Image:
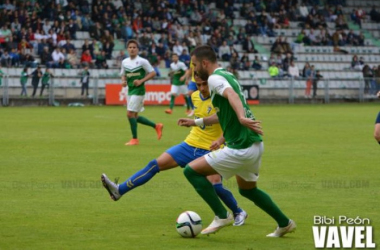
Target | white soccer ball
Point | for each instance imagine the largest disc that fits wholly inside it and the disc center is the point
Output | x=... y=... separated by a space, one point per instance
x=189 y=224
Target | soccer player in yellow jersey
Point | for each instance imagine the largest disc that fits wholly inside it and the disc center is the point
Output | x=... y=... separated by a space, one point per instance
x=198 y=143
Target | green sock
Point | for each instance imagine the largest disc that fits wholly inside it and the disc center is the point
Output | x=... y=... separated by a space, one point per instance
x=206 y=191
x=172 y=98
x=187 y=99
x=133 y=123
x=145 y=121
x=263 y=201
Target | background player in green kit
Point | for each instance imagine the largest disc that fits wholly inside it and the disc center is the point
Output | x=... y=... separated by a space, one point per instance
x=242 y=155
x=178 y=72
x=135 y=71
x=45 y=80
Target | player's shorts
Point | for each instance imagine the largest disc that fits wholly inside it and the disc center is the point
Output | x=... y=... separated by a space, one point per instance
x=135 y=103
x=242 y=162
x=183 y=153
x=378 y=118
x=177 y=90
x=192 y=86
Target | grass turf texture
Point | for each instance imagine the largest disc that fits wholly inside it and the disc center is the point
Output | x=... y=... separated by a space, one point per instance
x=318 y=160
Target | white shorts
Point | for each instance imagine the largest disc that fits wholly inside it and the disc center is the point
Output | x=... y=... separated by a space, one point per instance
x=135 y=103
x=242 y=162
x=177 y=90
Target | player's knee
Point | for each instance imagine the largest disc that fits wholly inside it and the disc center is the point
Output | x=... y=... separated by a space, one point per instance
x=377 y=136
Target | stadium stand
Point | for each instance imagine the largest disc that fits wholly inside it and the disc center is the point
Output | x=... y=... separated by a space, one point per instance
x=313 y=31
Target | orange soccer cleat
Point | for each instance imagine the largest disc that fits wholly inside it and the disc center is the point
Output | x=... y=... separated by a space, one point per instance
x=159 y=128
x=168 y=111
x=132 y=142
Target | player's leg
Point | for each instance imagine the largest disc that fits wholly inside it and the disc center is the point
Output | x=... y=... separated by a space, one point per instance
x=133 y=124
x=174 y=90
x=247 y=182
x=228 y=199
x=164 y=162
x=196 y=172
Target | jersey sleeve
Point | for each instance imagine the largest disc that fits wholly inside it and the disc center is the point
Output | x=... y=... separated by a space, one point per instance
x=183 y=66
x=217 y=84
x=147 y=66
x=122 y=68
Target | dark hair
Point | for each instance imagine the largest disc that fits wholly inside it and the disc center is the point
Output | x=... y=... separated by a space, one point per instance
x=204 y=52
x=133 y=41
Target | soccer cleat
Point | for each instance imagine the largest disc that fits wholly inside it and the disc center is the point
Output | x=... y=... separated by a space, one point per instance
x=159 y=127
x=240 y=218
x=168 y=111
x=132 y=142
x=217 y=224
x=281 y=231
x=190 y=113
x=112 y=188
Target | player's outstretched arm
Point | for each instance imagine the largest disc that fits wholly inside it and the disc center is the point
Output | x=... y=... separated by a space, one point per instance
x=237 y=106
x=187 y=122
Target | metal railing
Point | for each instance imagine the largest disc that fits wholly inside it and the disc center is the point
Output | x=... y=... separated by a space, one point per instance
x=289 y=89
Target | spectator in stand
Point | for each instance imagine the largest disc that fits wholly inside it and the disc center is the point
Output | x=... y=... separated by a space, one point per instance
x=351 y=39
x=256 y=64
x=72 y=59
x=72 y=29
x=248 y=45
x=286 y=61
x=145 y=41
x=277 y=46
x=68 y=45
x=195 y=17
x=46 y=58
x=87 y=46
x=234 y=61
x=355 y=64
x=86 y=59
x=361 y=39
x=137 y=25
x=273 y=70
x=340 y=23
x=15 y=57
x=160 y=50
x=293 y=70
x=177 y=48
x=24 y=45
x=29 y=61
x=120 y=57
x=374 y=14
x=224 y=52
x=101 y=60
x=108 y=48
x=185 y=57
x=6 y=59
x=245 y=64
x=58 y=57
x=96 y=31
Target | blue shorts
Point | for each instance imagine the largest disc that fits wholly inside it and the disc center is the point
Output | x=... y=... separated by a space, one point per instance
x=183 y=153
x=378 y=118
x=192 y=86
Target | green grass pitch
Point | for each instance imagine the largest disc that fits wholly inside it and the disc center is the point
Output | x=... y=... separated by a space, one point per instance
x=318 y=160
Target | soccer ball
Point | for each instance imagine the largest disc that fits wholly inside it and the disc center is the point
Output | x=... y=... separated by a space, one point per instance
x=189 y=224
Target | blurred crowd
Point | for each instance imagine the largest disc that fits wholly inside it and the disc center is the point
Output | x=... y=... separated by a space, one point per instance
x=48 y=30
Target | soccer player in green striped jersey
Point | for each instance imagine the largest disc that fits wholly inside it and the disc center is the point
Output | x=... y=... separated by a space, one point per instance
x=135 y=71
x=242 y=155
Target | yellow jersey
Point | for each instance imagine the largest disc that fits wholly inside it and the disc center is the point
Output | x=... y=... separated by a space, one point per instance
x=192 y=72
x=202 y=137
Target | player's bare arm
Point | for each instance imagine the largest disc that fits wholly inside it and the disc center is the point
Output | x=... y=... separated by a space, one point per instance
x=146 y=78
x=187 y=122
x=215 y=145
x=123 y=81
x=237 y=106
